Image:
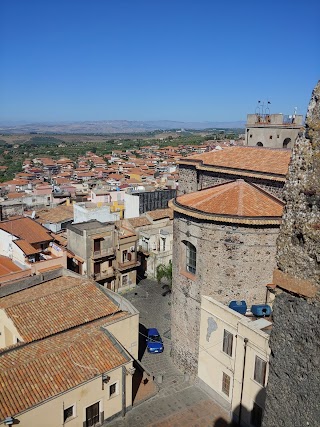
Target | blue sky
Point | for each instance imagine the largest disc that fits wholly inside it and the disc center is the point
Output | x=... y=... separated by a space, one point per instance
x=196 y=60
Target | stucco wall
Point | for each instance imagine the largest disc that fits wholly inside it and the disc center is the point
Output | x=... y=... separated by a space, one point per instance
x=127 y=332
x=263 y=134
x=213 y=361
x=233 y=263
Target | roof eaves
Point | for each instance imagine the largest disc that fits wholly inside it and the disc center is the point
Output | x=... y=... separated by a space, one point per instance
x=232 y=219
x=233 y=171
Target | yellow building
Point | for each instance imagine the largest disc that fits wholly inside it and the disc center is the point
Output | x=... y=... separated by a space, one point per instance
x=233 y=360
x=72 y=358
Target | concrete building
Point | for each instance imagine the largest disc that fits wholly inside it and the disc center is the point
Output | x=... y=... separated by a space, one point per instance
x=265 y=167
x=233 y=360
x=224 y=247
x=73 y=353
x=87 y=211
x=155 y=231
x=272 y=130
x=143 y=201
x=105 y=252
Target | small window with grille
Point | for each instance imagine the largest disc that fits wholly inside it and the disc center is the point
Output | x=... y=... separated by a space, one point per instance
x=225 y=384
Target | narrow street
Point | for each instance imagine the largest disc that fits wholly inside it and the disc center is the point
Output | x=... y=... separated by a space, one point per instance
x=177 y=402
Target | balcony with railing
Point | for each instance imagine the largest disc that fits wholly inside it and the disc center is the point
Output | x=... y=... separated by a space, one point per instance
x=103 y=252
x=104 y=274
x=125 y=265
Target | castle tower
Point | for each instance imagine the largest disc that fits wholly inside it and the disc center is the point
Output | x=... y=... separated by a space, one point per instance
x=293 y=389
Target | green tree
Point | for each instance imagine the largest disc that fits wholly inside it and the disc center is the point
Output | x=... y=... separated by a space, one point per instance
x=165 y=272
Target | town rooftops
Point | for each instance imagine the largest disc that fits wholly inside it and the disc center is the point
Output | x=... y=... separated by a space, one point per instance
x=31 y=374
x=26 y=229
x=233 y=202
x=55 y=306
x=257 y=160
x=54 y=215
x=139 y=221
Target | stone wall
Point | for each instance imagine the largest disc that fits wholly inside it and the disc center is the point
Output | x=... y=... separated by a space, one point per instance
x=188 y=181
x=293 y=389
x=233 y=263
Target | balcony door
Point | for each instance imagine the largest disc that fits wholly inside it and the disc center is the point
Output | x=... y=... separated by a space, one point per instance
x=97 y=245
x=92 y=415
x=97 y=268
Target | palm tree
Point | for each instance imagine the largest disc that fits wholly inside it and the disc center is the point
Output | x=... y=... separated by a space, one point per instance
x=165 y=272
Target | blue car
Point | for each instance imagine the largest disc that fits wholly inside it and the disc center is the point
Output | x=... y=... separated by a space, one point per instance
x=154 y=341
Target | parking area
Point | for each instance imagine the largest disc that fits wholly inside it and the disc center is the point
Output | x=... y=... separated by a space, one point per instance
x=175 y=401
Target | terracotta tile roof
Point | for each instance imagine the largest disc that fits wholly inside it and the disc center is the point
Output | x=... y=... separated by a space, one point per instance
x=55 y=306
x=258 y=159
x=7 y=266
x=26 y=247
x=16 y=195
x=139 y=221
x=161 y=213
x=16 y=182
x=60 y=238
x=63 y=161
x=26 y=229
x=33 y=373
x=57 y=214
x=116 y=176
x=236 y=198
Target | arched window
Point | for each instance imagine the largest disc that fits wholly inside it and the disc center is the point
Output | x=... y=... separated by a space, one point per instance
x=286 y=143
x=191 y=258
x=259 y=144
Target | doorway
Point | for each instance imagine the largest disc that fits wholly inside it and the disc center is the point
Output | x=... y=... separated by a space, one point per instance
x=92 y=415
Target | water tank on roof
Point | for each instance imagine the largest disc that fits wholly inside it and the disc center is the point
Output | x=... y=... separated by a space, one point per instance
x=261 y=310
x=239 y=306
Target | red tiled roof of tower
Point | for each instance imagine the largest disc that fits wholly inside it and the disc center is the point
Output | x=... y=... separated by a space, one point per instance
x=258 y=159
x=236 y=198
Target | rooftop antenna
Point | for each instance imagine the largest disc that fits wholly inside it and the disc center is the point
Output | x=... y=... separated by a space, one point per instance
x=267 y=109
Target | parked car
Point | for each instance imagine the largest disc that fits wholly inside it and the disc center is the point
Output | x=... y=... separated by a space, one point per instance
x=154 y=341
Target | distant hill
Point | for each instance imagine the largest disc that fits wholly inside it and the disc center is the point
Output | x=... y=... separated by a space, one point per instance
x=112 y=126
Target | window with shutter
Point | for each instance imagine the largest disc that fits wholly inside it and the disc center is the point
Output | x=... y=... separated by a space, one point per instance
x=260 y=368
x=227 y=342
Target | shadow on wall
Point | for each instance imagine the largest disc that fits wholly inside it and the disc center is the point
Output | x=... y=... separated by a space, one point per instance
x=143 y=333
x=249 y=418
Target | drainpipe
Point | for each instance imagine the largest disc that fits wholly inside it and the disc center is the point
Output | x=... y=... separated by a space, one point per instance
x=242 y=383
x=123 y=386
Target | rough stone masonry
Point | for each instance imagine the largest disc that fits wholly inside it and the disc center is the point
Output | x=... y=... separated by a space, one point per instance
x=293 y=397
